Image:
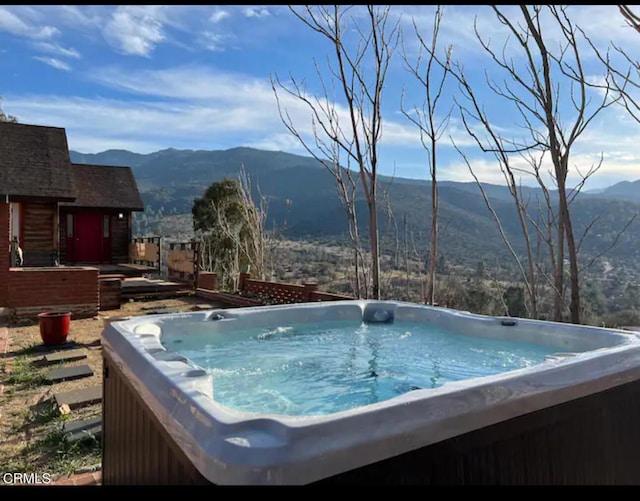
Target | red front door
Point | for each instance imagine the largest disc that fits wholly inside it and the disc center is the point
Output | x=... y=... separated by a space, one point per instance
x=87 y=245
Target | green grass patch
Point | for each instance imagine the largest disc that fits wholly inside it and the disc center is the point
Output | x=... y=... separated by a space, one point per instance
x=48 y=450
x=29 y=349
x=25 y=373
x=61 y=456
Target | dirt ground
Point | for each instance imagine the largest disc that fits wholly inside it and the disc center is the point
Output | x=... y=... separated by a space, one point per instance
x=27 y=414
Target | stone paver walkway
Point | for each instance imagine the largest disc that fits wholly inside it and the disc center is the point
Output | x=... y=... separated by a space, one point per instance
x=91 y=478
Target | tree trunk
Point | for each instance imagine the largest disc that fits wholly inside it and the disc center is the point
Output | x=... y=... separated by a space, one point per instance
x=406 y=256
x=558 y=304
x=356 y=283
x=574 y=305
x=375 y=248
x=433 y=256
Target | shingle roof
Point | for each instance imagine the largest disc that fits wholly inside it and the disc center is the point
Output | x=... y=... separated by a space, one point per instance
x=103 y=186
x=34 y=162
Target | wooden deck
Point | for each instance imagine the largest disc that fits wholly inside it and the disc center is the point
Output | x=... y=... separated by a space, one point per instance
x=126 y=269
x=153 y=287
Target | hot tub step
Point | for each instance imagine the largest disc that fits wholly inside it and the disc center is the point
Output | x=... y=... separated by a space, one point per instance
x=69 y=373
x=79 y=398
x=75 y=431
x=64 y=356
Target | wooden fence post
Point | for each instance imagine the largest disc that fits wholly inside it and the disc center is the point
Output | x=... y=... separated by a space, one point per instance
x=242 y=281
x=309 y=289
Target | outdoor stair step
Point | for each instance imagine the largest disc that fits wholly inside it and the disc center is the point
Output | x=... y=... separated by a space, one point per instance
x=80 y=429
x=65 y=356
x=157 y=295
x=79 y=398
x=69 y=373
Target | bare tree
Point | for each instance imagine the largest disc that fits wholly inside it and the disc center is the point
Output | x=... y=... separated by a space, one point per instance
x=538 y=91
x=527 y=271
x=255 y=244
x=359 y=73
x=631 y=17
x=626 y=81
x=231 y=229
x=431 y=128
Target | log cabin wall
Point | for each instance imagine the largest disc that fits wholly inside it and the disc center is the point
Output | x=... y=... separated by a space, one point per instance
x=62 y=236
x=39 y=233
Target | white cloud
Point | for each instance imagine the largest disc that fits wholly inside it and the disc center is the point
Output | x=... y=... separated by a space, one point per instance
x=87 y=143
x=277 y=142
x=15 y=25
x=218 y=15
x=244 y=101
x=602 y=23
x=256 y=12
x=135 y=30
x=214 y=42
x=215 y=110
x=619 y=152
x=222 y=113
x=54 y=48
x=80 y=16
x=53 y=62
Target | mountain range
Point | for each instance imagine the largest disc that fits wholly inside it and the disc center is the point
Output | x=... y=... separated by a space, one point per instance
x=303 y=201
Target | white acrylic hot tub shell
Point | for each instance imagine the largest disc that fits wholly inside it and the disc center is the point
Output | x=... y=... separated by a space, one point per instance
x=233 y=447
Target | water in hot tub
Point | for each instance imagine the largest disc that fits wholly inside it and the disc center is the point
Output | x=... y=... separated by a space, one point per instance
x=314 y=369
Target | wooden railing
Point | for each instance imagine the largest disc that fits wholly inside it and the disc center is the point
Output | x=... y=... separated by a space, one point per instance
x=146 y=251
x=259 y=292
x=327 y=296
x=182 y=262
x=280 y=293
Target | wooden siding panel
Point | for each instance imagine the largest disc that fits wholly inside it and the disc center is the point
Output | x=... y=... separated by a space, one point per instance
x=39 y=233
x=140 y=450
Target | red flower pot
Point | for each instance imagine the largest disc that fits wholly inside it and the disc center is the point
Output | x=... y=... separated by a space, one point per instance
x=54 y=327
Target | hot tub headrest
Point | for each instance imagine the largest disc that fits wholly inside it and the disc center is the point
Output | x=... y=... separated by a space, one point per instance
x=378 y=314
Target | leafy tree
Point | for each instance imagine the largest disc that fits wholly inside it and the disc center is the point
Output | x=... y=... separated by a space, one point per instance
x=231 y=230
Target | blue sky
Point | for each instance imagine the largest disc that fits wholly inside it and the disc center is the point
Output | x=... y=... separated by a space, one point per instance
x=145 y=78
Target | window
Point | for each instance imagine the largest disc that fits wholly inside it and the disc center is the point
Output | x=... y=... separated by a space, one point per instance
x=69 y=225
x=14 y=223
x=105 y=226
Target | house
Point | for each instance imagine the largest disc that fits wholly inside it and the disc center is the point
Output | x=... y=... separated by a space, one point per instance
x=61 y=214
x=96 y=227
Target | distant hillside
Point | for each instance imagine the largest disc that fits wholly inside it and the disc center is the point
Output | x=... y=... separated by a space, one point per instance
x=170 y=179
x=625 y=190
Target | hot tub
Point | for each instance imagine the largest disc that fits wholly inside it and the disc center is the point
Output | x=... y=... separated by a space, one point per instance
x=569 y=418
